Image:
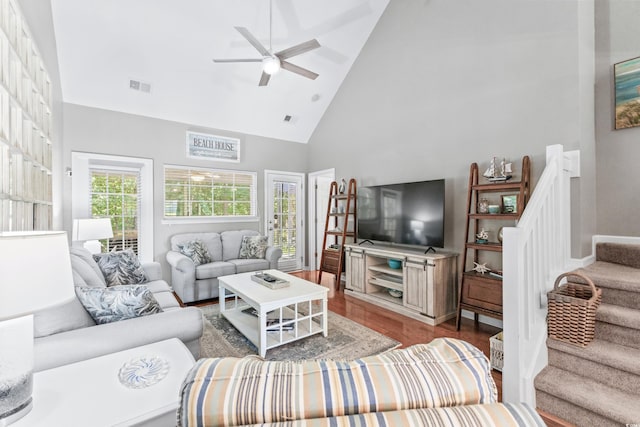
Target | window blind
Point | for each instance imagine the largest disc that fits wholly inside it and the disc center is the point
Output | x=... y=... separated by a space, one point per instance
x=209 y=193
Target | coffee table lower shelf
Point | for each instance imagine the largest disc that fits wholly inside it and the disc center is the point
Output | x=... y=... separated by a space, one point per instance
x=277 y=335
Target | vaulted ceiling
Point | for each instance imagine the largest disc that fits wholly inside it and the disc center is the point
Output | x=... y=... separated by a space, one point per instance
x=169 y=46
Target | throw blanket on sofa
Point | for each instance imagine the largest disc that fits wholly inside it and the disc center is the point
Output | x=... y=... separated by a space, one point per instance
x=445 y=373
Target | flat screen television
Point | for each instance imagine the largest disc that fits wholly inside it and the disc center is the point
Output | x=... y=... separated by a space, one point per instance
x=410 y=213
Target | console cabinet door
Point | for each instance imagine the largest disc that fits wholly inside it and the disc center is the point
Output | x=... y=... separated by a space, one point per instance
x=415 y=284
x=355 y=270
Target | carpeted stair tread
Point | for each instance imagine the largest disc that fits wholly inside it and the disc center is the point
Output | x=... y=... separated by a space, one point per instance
x=619 y=406
x=621 y=316
x=604 y=352
x=612 y=276
x=604 y=374
x=619 y=253
x=618 y=334
x=570 y=414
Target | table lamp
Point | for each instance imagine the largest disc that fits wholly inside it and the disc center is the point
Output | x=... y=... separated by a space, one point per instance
x=90 y=230
x=35 y=273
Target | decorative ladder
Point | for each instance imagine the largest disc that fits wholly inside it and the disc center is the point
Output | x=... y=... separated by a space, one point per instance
x=342 y=208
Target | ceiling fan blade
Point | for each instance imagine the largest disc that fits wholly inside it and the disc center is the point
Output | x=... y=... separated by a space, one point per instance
x=264 y=79
x=254 y=41
x=298 y=70
x=298 y=49
x=238 y=60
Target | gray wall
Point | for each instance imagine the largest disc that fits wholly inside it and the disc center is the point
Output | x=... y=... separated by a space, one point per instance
x=442 y=84
x=618 y=151
x=106 y=132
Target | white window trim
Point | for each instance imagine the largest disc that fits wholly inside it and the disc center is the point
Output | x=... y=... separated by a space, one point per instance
x=81 y=165
x=207 y=219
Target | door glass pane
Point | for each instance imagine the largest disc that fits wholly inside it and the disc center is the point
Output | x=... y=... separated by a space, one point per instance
x=284 y=218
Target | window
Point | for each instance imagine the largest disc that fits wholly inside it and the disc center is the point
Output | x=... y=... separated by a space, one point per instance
x=26 y=122
x=118 y=187
x=209 y=194
x=114 y=195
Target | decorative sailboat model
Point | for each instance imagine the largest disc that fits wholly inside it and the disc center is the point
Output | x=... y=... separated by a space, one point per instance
x=498 y=172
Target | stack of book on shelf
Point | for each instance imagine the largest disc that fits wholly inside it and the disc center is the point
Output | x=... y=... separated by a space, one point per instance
x=274 y=322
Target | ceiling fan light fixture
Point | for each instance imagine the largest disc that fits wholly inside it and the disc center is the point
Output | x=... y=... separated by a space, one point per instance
x=271 y=65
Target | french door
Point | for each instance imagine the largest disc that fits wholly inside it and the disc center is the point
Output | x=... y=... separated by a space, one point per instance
x=284 y=219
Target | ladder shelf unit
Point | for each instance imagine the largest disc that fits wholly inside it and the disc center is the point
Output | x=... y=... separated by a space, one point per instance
x=481 y=293
x=341 y=224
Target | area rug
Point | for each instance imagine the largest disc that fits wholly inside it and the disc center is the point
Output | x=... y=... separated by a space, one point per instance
x=346 y=340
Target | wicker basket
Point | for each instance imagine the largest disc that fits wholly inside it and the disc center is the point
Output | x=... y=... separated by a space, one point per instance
x=496 y=352
x=572 y=310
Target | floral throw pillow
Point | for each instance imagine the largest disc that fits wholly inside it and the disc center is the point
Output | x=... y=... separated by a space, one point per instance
x=106 y=305
x=253 y=247
x=197 y=251
x=121 y=268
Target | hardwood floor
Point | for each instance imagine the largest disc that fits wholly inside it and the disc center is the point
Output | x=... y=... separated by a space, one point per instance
x=404 y=329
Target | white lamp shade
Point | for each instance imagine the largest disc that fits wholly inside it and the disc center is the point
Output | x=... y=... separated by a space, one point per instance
x=35 y=272
x=92 y=229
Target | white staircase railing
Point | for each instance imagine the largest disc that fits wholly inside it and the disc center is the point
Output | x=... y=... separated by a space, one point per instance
x=534 y=253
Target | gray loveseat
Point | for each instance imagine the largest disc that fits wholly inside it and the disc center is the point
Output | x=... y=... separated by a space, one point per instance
x=197 y=283
x=67 y=333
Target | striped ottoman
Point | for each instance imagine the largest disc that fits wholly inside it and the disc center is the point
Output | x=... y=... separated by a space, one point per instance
x=398 y=386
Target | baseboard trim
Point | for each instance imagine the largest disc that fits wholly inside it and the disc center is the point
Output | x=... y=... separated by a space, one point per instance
x=482 y=319
x=575 y=263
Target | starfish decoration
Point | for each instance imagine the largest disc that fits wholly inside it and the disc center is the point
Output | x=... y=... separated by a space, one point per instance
x=481 y=268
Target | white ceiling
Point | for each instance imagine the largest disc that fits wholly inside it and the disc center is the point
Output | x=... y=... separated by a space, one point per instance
x=170 y=45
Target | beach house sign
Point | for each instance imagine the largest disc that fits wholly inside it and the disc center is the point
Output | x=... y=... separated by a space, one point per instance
x=212 y=147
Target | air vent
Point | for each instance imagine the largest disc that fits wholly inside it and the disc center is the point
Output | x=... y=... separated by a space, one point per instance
x=140 y=86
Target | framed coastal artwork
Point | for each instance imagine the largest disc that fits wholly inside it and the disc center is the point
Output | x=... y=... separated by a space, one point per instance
x=510 y=203
x=627 y=84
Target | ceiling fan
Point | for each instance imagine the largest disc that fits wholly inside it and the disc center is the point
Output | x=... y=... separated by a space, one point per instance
x=273 y=62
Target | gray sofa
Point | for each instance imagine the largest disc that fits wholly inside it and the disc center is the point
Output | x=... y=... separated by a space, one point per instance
x=197 y=283
x=67 y=333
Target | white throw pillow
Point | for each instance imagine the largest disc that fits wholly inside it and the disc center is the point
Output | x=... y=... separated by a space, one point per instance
x=253 y=247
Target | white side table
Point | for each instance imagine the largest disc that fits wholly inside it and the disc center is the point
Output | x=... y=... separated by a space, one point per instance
x=89 y=393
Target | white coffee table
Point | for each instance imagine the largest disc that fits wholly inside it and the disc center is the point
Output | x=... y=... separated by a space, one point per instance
x=299 y=310
x=89 y=393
